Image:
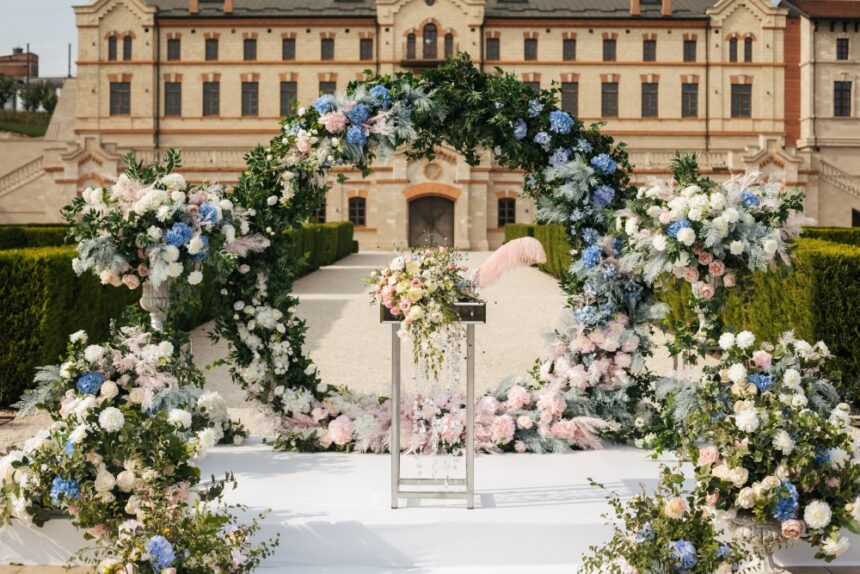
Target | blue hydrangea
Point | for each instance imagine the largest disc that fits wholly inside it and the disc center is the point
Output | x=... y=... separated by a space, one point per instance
x=576 y=214
x=786 y=502
x=63 y=489
x=559 y=157
x=677 y=226
x=684 y=554
x=603 y=196
x=69 y=449
x=587 y=314
x=535 y=108
x=179 y=234
x=521 y=129
x=645 y=533
x=90 y=383
x=161 y=552
x=530 y=180
x=749 y=199
x=604 y=163
x=724 y=551
x=610 y=271
x=208 y=213
x=591 y=256
x=542 y=139
x=356 y=136
x=358 y=114
x=560 y=122
x=590 y=235
x=761 y=381
x=381 y=96
x=325 y=103
x=822 y=456
x=584 y=146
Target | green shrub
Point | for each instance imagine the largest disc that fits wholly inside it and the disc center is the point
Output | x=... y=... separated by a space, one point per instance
x=554 y=241
x=847 y=235
x=517 y=230
x=20 y=236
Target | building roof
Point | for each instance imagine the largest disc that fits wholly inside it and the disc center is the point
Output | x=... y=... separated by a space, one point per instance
x=270 y=8
x=829 y=8
x=592 y=8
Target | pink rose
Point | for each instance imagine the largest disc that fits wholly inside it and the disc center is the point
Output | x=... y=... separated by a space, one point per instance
x=142 y=270
x=705 y=258
x=717 y=268
x=691 y=274
x=623 y=361
x=708 y=456
x=520 y=446
x=703 y=290
x=303 y=143
x=518 y=397
x=334 y=122
x=630 y=344
x=502 y=430
x=318 y=414
x=525 y=422
x=729 y=280
x=831 y=481
x=665 y=217
x=131 y=281
x=712 y=499
x=762 y=359
x=340 y=430
x=792 y=529
x=675 y=507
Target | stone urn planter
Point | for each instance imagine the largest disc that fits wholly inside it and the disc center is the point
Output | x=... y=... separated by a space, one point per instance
x=762 y=540
x=156 y=301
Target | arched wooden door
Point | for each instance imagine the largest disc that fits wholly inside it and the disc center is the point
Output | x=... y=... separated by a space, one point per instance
x=431 y=222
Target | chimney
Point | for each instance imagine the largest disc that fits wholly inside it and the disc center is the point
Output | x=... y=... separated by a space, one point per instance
x=193 y=7
x=667 y=8
x=228 y=6
x=634 y=7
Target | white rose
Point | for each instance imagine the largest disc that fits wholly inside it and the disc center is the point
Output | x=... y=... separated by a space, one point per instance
x=745 y=339
x=93 y=353
x=109 y=390
x=694 y=214
x=78 y=336
x=783 y=442
x=739 y=476
x=791 y=377
x=416 y=313
x=746 y=497
x=717 y=201
x=165 y=349
x=747 y=420
x=727 y=341
x=736 y=247
x=180 y=418
x=817 y=514
x=174 y=269
x=737 y=373
x=111 y=419
x=195 y=277
x=413 y=267
x=687 y=236
x=105 y=481
x=171 y=254
x=136 y=395
x=125 y=480
x=659 y=242
x=731 y=214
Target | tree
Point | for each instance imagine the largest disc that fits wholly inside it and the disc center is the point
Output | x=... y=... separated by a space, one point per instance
x=39 y=94
x=7 y=89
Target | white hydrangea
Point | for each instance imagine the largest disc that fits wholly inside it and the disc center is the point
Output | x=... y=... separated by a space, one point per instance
x=659 y=242
x=791 y=377
x=783 y=442
x=195 y=277
x=94 y=353
x=180 y=418
x=737 y=373
x=745 y=340
x=173 y=181
x=727 y=341
x=838 y=458
x=111 y=419
x=736 y=247
x=214 y=405
x=747 y=420
x=687 y=236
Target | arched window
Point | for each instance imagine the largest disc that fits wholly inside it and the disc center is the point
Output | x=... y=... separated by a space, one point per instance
x=449 y=45
x=126 y=48
x=748 y=45
x=358 y=211
x=733 y=50
x=430 y=36
x=112 y=48
x=410 y=47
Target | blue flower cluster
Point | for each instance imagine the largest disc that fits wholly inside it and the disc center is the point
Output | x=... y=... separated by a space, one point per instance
x=359 y=113
x=542 y=139
x=584 y=146
x=521 y=129
x=381 y=96
x=591 y=256
x=559 y=157
x=590 y=235
x=161 y=552
x=822 y=456
x=677 y=226
x=64 y=489
x=592 y=315
x=535 y=108
x=90 y=383
x=786 y=502
x=560 y=122
x=325 y=103
x=356 y=136
x=208 y=213
x=761 y=381
x=69 y=449
x=725 y=551
x=684 y=554
x=604 y=163
x=603 y=196
x=749 y=199
x=645 y=533
x=179 y=234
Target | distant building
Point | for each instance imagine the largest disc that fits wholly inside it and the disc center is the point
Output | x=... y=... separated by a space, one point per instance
x=757 y=85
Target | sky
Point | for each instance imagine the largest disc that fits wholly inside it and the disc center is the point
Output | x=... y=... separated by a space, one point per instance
x=49 y=27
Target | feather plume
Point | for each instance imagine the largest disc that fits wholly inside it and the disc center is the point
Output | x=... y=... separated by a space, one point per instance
x=249 y=243
x=516 y=253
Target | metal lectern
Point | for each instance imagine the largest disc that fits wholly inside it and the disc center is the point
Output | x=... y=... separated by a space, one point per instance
x=470 y=313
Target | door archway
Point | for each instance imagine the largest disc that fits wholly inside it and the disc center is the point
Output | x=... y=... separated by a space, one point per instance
x=431 y=221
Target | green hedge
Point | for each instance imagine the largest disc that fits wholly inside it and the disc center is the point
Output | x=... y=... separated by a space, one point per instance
x=554 y=242
x=42 y=301
x=847 y=235
x=19 y=236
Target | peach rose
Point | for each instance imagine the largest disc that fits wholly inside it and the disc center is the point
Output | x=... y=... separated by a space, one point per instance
x=729 y=280
x=691 y=274
x=762 y=359
x=705 y=258
x=717 y=268
x=792 y=529
x=708 y=456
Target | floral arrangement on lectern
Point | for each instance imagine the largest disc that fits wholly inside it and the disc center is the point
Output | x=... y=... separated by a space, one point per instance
x=422 y=288
x=779 y=451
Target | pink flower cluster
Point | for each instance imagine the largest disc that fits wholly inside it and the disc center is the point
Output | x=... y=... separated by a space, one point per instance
x=706 y=274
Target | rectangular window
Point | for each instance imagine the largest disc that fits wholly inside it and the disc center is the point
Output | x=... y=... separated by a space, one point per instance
x=120 y=98
x=328 y=87
x=689 y=50
x=365 y=49
x=211 y=98
x=569 y=49
x=748 y=47
x=530 y=49
x=841 y=48
x=507 y=211
x=649 y=50
x=842 y=99
x=249 y=49
x=211 y=49
x=357 y=211
x=250 y=98
x=174 y=49
x=327 y=49
x=289 y=96
x=288 y=49
x=319 y=215
x=172 y=99
x=112 y=49
x=570 y=97
x=533 y=86
x=126 y=48
x=449 y=45
x=733 y=50
x=689 y=100
x=649 y=100
x=609 y=48
x=493 y=49
x=741 y=100
x=609 y=99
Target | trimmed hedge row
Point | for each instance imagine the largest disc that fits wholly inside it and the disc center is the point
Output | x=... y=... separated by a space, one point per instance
x=42 y=301
x=20 y=236
x=847 y=235
x=552 y=237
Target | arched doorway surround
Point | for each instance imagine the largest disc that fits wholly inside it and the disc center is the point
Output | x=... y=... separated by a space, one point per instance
x=431 y=213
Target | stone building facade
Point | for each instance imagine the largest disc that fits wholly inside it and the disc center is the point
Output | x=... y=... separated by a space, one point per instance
x=748 y=84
